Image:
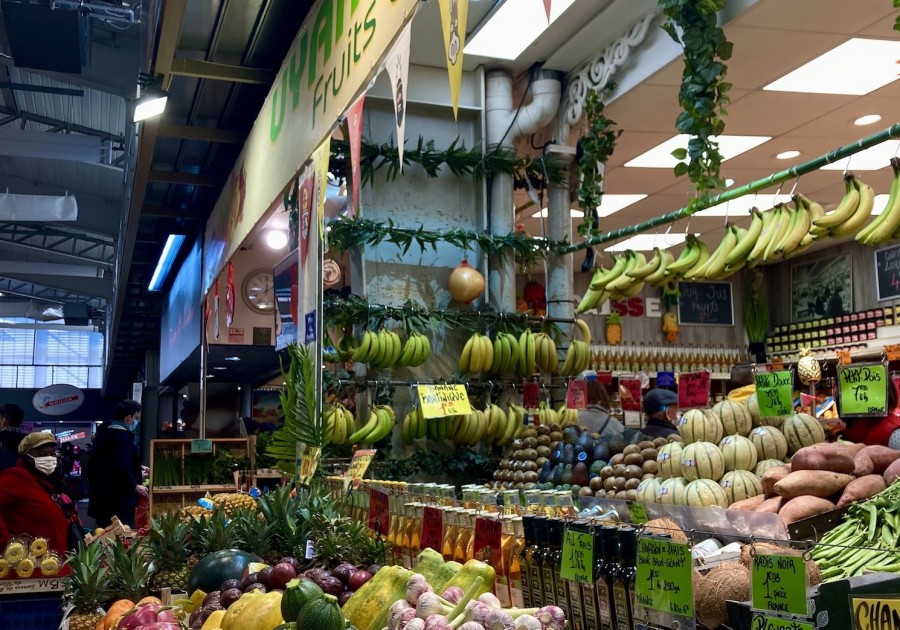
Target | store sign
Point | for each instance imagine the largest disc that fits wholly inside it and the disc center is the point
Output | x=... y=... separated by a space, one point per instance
x=778 y=584
x=664 y=579
x=863 y=390
x=440 y=401
x=637 y=306
x=330 y=62
x=766 y=622
x=775 y=393
x=693 y=389
x=874 y=612
x=58 y=400
x=71 y=437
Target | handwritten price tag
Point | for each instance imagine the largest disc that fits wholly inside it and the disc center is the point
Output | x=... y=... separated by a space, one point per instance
x=201 y=446
x=664 y=581
x=693 y=389
x=578 y=557
x=576 y=394
x=774 y=393
x=630 y=394
x=863 y=390
x=778 y=584
x=359 y=465
x=764 y=622
x=531 y=395
x=487 y=541
x=432 y=528
x=379 y=511
x=309 y=462
x=440 y=401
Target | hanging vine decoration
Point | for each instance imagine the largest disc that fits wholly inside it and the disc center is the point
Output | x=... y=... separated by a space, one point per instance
x=594 y=149
x=345 y=234
x=704 y=93
x=897 y=20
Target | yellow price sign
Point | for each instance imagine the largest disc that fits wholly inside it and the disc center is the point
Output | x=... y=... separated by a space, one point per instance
x=440 y=401
x=309 y=462
x=359 y=465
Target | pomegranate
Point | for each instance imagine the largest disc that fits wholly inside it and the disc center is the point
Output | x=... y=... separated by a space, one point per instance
x=465 y=283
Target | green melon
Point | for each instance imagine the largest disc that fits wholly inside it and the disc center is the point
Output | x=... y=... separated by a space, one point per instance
x=765 y=465
x=769 y=443
x=700 y=425
x=671 y=491
x=702 y=460
x=646 y=490
x=735 y=417
x=705 y=493
x=801 y=430
x=740 y=484
x=738 y=453
x=297 y=594
x=668 y=460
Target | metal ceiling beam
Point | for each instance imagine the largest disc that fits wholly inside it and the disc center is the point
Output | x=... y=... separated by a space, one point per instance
x=44 y=89
x=55 y=122
x=186 y=179
x=169 y=213
x=55 y=244
x=221 y=72
x=97 y=288
x=68 y=270
x=205 y=134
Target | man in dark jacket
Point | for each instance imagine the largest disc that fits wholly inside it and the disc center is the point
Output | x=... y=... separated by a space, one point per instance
x=661 y=408
x=11 y=417
x=115 y=468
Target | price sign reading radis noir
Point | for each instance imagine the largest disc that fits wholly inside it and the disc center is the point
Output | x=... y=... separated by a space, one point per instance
x=775 y=391
x=664 y=578
x=863 y=390
x=578 y=557
x=440 y=401
x=778 y=585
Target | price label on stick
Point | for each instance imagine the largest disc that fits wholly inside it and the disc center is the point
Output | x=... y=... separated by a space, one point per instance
x=432 y=528
x=440 y=401
x=775 y=393
x=862 y=390
x=359 y=465
x=578 y=557
x=664 y=580
x=487 y=541
x=693 y=389
x=630 y=394
x=576 y=394
x=778 y=584
x=379 y=512
x=765 y=622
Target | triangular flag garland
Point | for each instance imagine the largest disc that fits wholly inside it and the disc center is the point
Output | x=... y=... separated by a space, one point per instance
x=306 y=190
x=454 y=16
x=354 y=130
x=215 y=312
x=320 y=158
x=397 y=65
x=229 y=297
x=547 y=4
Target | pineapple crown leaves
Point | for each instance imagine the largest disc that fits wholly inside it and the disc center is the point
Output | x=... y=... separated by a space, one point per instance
x=167 y=539
x=90 y=581
x=302 y=417
x=131 y=569
x=211 y=533
x=613 y=318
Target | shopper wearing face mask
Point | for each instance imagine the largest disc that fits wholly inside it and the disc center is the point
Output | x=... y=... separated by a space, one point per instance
x=661 y=408
x=33 y=499
x=115 y=470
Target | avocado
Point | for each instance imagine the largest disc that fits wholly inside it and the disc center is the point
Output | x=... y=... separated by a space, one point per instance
x=585 y=441
x=567 y=474
x=596 y=466
x=575 y=489
x=555 y=456
x=557 y=474
x=601 y=452
x=580 y=474
x=546 y=471
x=570 y=435
x=568 y=454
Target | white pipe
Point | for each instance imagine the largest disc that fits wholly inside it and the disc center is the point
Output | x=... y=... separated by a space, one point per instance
x=504 y=126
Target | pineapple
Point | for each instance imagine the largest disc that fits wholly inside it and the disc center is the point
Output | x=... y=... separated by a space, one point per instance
x=255 y=535
x=808 y=368
x=208 y=535
x=130 y=568
x=613 y=329
x=232 y=502
x=167 y=545
x=88 y=586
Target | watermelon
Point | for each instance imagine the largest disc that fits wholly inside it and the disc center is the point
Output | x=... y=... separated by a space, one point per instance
x=646 y=490
x=801 y=430
x=700 y=425
x=671 y=491
x=740 y=484
x=705 y=493
x=668 y=460
x=702 y=460
x=765 y=465
x=769 y=443
x=217 y=567
x=738 y=452
x=758 y=420
x=735 y=417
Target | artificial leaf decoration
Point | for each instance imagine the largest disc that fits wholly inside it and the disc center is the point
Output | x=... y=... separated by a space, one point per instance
x=302 y=417
x=595 y=148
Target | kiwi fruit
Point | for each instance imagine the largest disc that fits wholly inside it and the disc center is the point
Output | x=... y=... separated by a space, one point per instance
x=618 y=458
x=619 y=470
x=630 y=495
x=660 y=441
x=544 y=451
x=529 y=454
x=631 y=448
x=519 y=476
x=540 y=461
x=600 y=494
x=555 y=436
x=645 y=444
x=610 y=494
x=596 y=483
x=649 y=453
x=516 y=444
x=609 y=483
x=585 y=492
x=619 y=483
x=504 y=464
x=632 y=459
x=530 y=466
x=529 y=433
x=531 y=476
x=544 y=440
x=606 y=471
x=631 y=484
x=555 y=427
x=543 y=430
x=529 y=442
x=633 y=472
x=650 y=467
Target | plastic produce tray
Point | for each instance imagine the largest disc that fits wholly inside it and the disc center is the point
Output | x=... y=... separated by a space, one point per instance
x=814 y=527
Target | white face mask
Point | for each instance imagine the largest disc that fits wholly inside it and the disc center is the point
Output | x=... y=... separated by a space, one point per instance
x=46 y=464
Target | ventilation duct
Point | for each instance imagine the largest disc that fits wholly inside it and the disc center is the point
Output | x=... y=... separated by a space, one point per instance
x=45 y=39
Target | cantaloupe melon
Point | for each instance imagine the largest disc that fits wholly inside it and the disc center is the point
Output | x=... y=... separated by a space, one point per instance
x=702 y=460
x=646 y=490
x=668 y=460
x=699 y=425
x=765 y=465
x=738 y=452
x=801 y=430
x=671 y=491
x=705 y=493
x=734 y=416
x=769 y=443
x=740 y=484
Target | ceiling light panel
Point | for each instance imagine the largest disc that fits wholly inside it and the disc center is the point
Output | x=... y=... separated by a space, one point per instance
x=660 y=156
x=872 y=159
x=880 y=204
x=856 y=67
x=646 y=242
x=868 y=119
x=741 y=206
x=513 y=28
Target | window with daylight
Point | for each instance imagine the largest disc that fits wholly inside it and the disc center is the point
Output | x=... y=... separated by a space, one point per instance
x=32 y=356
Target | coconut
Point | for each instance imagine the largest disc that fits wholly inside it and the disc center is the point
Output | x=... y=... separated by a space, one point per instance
x=767 y=549
x=666 y=526
x=728 y=581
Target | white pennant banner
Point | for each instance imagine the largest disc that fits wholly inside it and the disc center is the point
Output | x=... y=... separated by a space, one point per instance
x=397 y=65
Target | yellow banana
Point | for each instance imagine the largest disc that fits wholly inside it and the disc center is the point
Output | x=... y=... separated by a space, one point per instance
x=845 y=208
x=862 y=214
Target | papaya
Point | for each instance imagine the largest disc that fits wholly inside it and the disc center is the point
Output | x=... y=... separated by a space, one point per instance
x=367 y=609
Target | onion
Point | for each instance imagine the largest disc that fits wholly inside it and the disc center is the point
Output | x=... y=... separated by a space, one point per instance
x=465 y=283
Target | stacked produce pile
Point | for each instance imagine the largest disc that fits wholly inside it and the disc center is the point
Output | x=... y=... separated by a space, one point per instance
x=25 y=557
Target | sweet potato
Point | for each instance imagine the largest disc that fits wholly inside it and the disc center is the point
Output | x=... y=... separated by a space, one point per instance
x=748 y=504
x=880 y=456
x=863 y=465
x=770 y=505
x=852 y=447
x=833 y=457
x=861 y=488
x=773 y=476
x=817 y=483
x=892 y=473
x=803 y=507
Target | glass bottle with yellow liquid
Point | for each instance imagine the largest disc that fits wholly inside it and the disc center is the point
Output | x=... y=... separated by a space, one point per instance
x=512 y=557
x=466 y=533
x=451 y=533
x=414 y=533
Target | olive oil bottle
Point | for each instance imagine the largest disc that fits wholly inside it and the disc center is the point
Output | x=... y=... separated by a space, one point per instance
x=623 y=578
x=603 y=577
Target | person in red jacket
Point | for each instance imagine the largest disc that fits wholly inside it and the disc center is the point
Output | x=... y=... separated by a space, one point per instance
x=878 y=431
x=33 y=499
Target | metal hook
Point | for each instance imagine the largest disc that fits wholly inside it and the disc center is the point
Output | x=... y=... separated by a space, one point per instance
x=794 y=188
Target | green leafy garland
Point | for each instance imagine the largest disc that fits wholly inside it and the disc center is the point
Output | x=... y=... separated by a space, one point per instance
x=596 y=146
x=703 y=93
x=302 y=423
x=345 y=234
x=897 y=20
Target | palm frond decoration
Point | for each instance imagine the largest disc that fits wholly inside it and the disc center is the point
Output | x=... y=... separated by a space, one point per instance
x=302 y=417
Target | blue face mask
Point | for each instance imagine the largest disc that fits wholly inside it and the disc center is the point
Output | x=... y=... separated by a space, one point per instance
x=134 y=427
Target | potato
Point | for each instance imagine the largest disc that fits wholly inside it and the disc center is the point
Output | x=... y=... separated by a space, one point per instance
x=817 y=483
x=635 y=459
x=853 y=447
x=833 y=457
x=650 y=466
x=773 y=476
x=770 y=505
x=618 y=458
x=880 y=456
x=802 y=507
x=862 y=488
x=748 y=504
x=631 y=448
x=892 y=473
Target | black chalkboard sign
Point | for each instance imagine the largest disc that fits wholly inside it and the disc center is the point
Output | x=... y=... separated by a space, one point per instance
x=706 y=303
x=887 y=272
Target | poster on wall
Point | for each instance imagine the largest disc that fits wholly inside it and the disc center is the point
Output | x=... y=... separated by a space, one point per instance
x=821 y=288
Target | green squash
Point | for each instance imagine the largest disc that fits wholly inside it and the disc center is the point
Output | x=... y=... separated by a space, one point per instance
x=322 y=614
x=211 y=571
x=298 y=594
x=289 y=625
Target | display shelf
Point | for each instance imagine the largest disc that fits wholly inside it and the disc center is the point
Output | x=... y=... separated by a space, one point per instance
x=189 y=489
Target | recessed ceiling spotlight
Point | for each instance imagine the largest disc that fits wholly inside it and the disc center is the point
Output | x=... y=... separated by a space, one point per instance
x=276 y=239
x=868 y=119
x=787 y=155
x=232 y=358
x=729 y=183
x=220 y=367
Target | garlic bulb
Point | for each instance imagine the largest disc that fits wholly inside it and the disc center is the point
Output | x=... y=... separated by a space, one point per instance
x=551 y=617
x=396 y=613
x=471 y=625
x=415 y=624
x=453 y=594
x=428 y=605
x=490 y=600
x=527 y=622
x=497 y=619
x=416 y=585
x=435 y=622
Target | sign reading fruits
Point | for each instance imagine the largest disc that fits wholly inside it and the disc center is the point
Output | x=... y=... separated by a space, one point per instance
x=778 y=584
x=664 y=580
x=775 y=393
x=693 y=389
x=440 y=401
x=863 y=390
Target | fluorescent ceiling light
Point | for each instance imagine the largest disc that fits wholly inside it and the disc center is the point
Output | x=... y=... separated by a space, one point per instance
x=232 y=358
x=150 y=105
x=646 y=242
x=787 y=155
x=276 y=239
x=166 y=260
x=872 y=159
x=513 y=27
x=868 y=119
x=220 y=368
x=741 y=206
x=660 y=156
x=880 y=203
x=856 y=67
x=609 y=205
